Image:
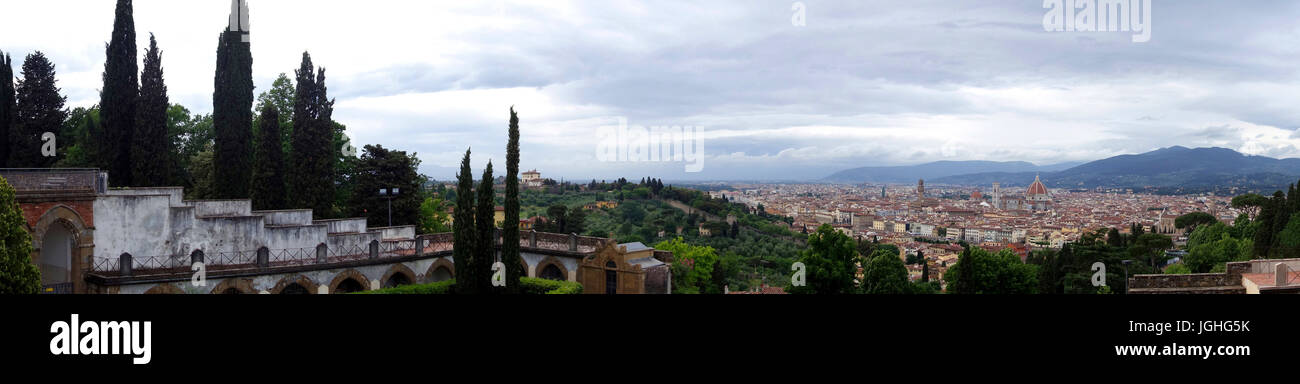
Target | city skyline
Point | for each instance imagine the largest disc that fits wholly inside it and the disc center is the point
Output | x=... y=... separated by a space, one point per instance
x=928 y=81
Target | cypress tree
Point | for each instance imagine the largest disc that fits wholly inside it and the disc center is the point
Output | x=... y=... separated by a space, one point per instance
x=268 y=174
x=8 y=106
x=925 y=271
x=17 y=273
x=485 y=223
x=510 y=228
x=40 y=110
x=463 y=231
x=232 y=117
x=312 y=156
x=149 y=151
x=1264 y=235
x=118 y=99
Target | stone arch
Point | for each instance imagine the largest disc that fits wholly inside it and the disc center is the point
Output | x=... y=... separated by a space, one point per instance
x=61 y=263
x=61 y=214
x=431 y=274
x=242 y=286
x=552 y=261
x=164 y=289
x=350 y=274
x=398 y=269
x=300 y=280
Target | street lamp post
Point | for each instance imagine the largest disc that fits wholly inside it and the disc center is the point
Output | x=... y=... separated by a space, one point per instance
x=390 y=194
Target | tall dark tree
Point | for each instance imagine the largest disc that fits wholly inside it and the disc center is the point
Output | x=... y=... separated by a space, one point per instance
x=150 y=152
x=463 y=230
x=485 y=224
x=1265 y=236
x=510 y=228
x=40 y=110
x=268 y=173
x=118 y=99
x=232 y=117
x=8 y=106
x=313 y=154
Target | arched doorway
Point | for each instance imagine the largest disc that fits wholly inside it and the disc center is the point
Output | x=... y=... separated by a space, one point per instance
x=441 y=274
x=349 y=285
x=397 y=280
x=611 y=278
x=294 y=289
x=552 y=272
x=56 y=258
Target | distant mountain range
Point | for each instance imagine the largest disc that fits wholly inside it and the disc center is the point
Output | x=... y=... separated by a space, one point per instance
x=1174 y=170
x=939 y=169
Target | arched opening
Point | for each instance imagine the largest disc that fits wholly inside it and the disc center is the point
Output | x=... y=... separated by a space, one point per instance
x=56 y=257
x=441 y=274
x=397 y=280
x=349 y=285
x=294 y=289
x=611 y=278
x=552 y=272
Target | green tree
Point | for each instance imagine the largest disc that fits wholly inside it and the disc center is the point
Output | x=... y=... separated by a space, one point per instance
x=268 y=191
x=510 y=228
x=1206 y=234
x=8 y=106
x=120 y=93
x=150 y=153
x=464 y=233
x=1204 y=257
x=232 y=117
x=885 y=274
x=1177 y=269
x=40 y=110
x=692 y=266
x=433 y=216
x=485 y=224
x=381 y=168
x=979 y=272
x=1264 y=236
x=1195 y=219
x=830 y=262
x=282 y=97
x=201 y=169
x=314 y=156
x=17 y=274
x=1151 y=247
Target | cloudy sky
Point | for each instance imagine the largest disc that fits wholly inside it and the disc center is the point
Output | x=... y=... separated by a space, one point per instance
x=860 y=83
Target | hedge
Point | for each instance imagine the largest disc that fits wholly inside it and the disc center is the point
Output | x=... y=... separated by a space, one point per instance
x=438 y=288
x=530 y=285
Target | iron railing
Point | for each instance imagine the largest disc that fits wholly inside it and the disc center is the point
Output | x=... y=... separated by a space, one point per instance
x=432 y=244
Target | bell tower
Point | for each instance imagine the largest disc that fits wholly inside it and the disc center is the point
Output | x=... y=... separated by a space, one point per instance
x=239 y=19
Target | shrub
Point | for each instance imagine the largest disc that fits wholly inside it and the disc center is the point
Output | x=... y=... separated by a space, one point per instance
x=539 y=286
x=529 y=285
x=438 y=288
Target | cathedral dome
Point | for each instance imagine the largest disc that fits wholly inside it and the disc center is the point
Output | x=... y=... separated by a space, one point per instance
x=1037 y=188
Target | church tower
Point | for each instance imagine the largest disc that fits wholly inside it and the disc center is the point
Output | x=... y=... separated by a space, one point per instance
x=997 y=195
x=239 y=19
